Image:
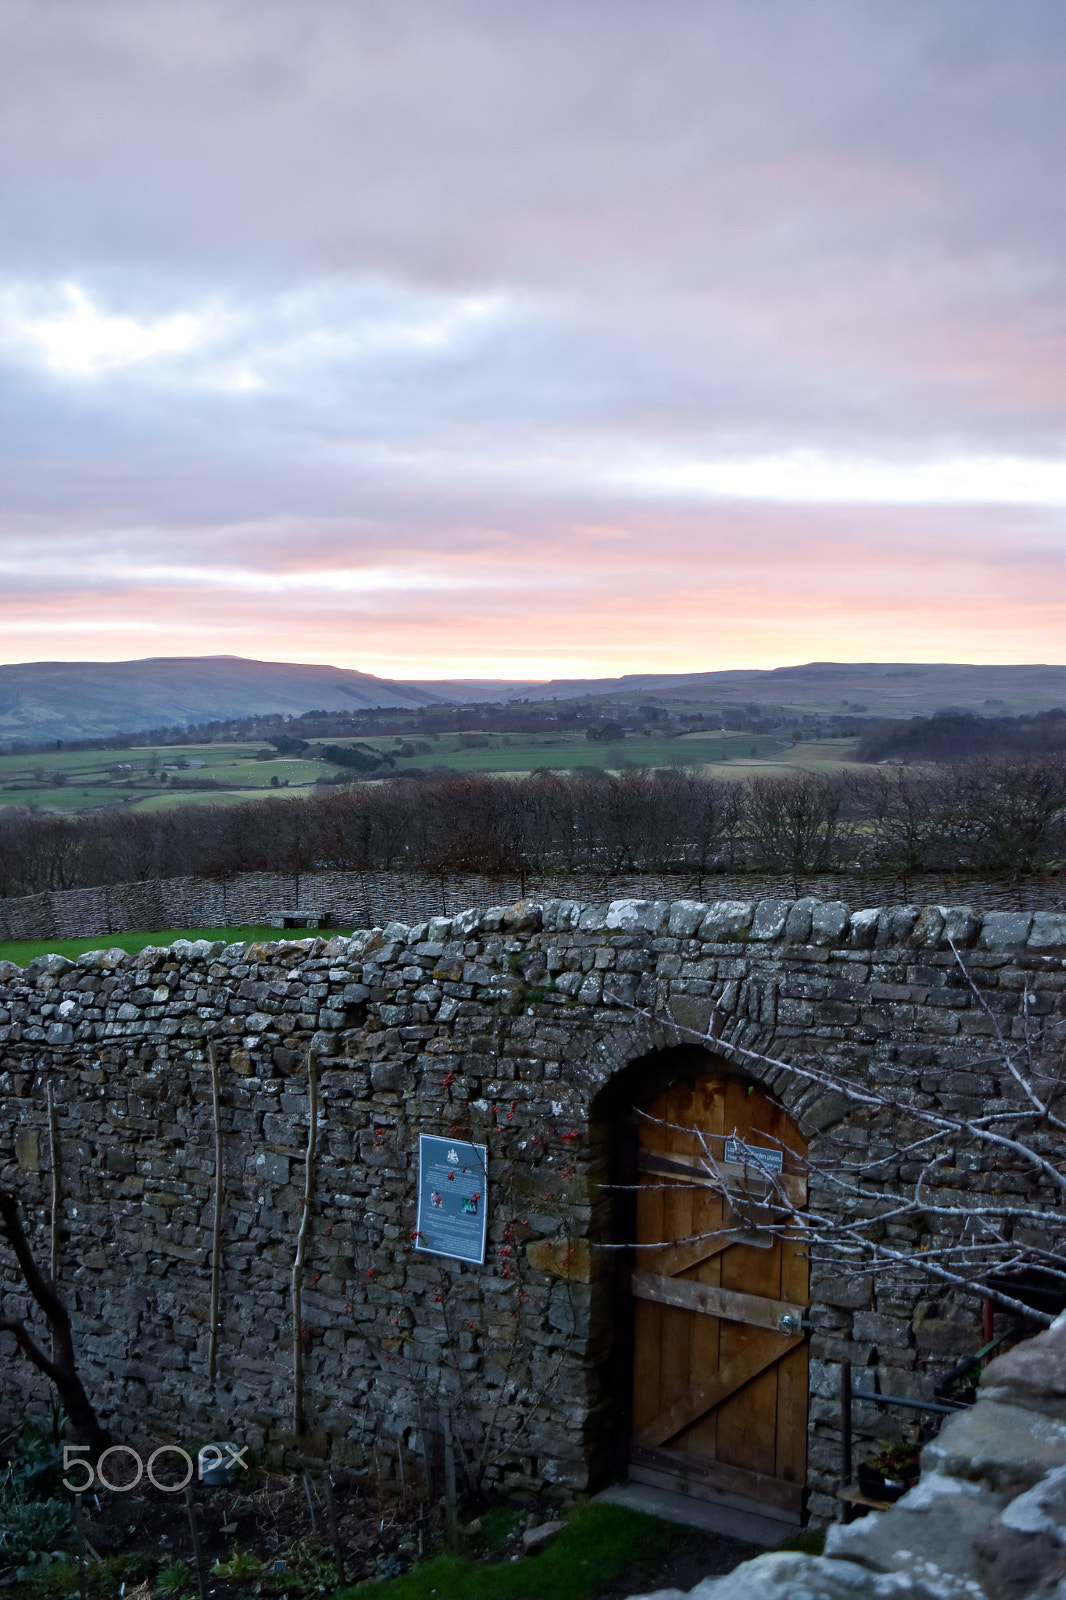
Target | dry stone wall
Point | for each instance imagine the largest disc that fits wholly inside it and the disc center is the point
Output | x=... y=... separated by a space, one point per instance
x=370 y=899
x=510 y=1026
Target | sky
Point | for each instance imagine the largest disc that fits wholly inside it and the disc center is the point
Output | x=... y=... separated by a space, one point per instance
x=523 y=340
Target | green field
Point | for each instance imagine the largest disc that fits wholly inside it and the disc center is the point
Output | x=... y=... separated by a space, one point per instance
x=517 y=752
x=78 y=780
x=23 y=951
x=81 y=780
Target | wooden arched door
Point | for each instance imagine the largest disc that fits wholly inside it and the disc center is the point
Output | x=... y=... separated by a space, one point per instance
x=720 y=1355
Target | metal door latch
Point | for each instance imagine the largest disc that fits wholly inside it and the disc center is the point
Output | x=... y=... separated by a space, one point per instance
x=791 y=1324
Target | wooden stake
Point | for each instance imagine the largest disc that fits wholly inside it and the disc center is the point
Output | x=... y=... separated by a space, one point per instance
x=301 y=1247
x=216 y=1236
x=197 y=1555
x=310 y=1502
x=79 y=1529
x=334 y=1534
x=403 y=1475
x=451 y=1504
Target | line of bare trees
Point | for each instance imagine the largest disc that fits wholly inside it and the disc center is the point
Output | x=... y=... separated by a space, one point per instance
x=1003 y=817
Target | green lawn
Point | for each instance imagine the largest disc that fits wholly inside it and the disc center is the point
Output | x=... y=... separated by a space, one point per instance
x=601 y=1543
x=23 y=951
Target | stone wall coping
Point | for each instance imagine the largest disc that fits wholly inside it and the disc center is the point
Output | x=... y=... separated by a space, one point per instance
x=803 y=923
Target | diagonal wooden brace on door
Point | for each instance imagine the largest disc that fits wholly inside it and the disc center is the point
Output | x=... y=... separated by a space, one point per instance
x=703 y=1397
x=754 y=1309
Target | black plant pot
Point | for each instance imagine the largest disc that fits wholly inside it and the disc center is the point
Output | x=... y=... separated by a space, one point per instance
x=876 y=1486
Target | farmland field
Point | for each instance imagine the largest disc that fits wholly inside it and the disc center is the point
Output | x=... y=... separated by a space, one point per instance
x=228 y=774
x=81 y=780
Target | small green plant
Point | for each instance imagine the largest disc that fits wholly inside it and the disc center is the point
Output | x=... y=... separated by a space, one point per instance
x=241 y=1567
x=896 y=1458
x=63 y=1580
x=33 y=1534
x=176 y=1578
x=35 y=1463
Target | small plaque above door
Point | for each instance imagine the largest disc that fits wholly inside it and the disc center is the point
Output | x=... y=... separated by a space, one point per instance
x=740 y=1154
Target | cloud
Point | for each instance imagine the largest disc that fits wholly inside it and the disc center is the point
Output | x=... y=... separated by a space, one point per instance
x=514 y=330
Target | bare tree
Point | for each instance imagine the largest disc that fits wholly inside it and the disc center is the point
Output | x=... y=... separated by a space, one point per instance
x=920 y=1191
x=794 y=824
x=59 y=1367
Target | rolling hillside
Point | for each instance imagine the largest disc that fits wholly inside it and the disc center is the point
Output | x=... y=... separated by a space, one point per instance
x=96 y=699
x=48 y=700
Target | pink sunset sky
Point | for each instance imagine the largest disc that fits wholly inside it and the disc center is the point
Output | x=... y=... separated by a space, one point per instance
x=528 y=340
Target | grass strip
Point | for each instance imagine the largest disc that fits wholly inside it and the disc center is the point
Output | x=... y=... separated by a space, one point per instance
x=600 y=1543
x=23 y=951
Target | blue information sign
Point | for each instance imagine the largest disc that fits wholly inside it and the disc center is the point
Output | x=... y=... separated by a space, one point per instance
x=452 y=1197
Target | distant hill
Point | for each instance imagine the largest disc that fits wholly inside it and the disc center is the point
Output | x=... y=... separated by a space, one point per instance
x=877 y=689
x=97 y=699
x=70 y=700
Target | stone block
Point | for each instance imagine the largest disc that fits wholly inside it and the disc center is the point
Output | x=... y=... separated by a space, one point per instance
x=1002 y=1445
x=863 y=933
x=693 y=1012
x=272 y=1168
x=28 y=1150
x=685 y=917
x=770 y=918
x=591 y=991
x=798 y=921
x=930 y=1535
x=1048 y=931
x=727 y=921
x=637 y=916
x=1005 y=930
x=961 y=926
x=929 y=927
x=829 y=922
x=562 y=1258
x=848 y=1291
x=1033 y=1374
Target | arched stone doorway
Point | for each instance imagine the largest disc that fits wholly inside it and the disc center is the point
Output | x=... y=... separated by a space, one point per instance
x=717 y=1356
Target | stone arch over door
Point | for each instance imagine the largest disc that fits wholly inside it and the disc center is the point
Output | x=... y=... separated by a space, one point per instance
x=711 y=1355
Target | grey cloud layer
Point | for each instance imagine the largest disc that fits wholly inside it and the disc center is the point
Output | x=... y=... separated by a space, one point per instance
x=449 y=261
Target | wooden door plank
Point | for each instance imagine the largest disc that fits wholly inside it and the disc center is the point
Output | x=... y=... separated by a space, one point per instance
x=793 y=1378
x=713 y=1239
x=677 y=1328
x=709 y=1213
x=704 y=1297
x=755 y=1487
x=647 y=1328
x=708 y=1392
